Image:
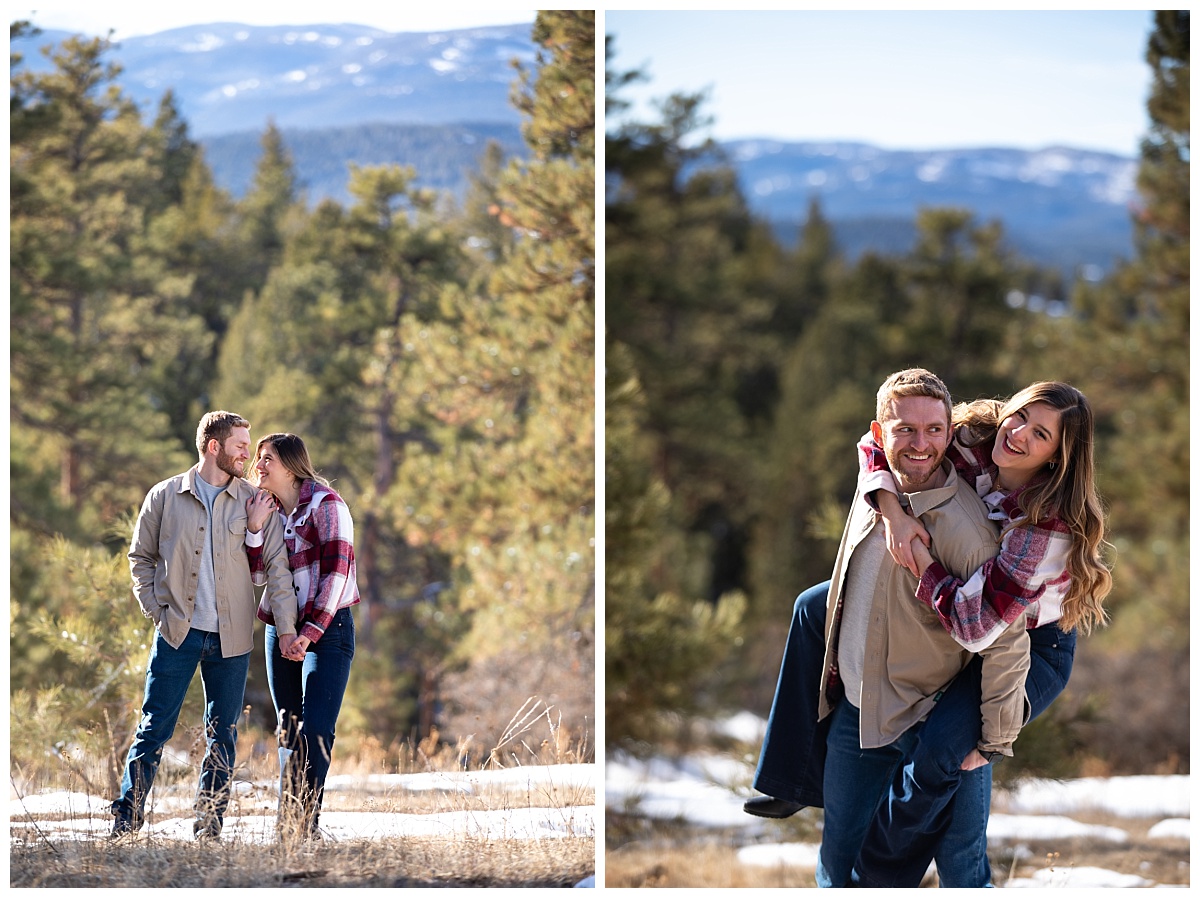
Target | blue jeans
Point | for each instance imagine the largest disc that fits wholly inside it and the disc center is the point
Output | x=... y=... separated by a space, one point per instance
x=934 y=806
x=856 y=781
x=168 y=676
x=791 y=764
x=308 y=697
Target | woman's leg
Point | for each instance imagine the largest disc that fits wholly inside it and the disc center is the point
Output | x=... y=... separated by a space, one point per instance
x=285 y=681
x=326 y=673
x=791 y=764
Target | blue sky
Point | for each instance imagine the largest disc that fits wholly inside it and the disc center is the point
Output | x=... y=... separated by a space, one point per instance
x=899 y=79
x=131 y=18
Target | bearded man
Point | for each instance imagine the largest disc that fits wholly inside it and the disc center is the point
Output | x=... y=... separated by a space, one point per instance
x=191 y=576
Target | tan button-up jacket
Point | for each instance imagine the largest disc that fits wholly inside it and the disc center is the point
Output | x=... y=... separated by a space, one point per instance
x=910 y=658
x=164 y=558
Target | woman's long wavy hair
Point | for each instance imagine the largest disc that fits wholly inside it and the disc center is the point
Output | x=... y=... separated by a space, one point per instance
x=1067 y=493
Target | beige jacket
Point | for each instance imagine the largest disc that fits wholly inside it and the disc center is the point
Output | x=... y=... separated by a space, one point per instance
x=910 y=658
x=164 y=558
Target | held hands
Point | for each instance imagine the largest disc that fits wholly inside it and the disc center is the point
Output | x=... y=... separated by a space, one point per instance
x=258 y=510
x=293 y=647
x=921 y=558
x=905 y=537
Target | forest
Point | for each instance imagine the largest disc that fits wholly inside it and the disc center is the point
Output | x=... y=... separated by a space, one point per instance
x=739 y=373
x=436 y=355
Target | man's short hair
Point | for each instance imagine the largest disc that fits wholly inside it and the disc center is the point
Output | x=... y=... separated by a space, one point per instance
x=217 y=426
x=910 y=382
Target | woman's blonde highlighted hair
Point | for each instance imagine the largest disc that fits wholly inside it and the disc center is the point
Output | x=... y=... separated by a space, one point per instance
x=1068 y=492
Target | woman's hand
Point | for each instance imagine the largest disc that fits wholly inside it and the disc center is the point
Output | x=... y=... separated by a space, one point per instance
x=298 y=648
x=904 y=533
x=293 y=647
x=921 y=558
x=258 y=510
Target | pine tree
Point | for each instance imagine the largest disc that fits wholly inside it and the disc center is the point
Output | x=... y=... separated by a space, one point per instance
x=662 y=650
x=265 y=208
x=507 y=381
x=89 y=314
x=684 y=291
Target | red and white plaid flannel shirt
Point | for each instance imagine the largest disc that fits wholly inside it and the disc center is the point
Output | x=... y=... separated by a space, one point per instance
x=319 y=535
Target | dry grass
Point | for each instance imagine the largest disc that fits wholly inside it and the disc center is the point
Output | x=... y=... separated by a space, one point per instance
x=389 y=863
x=61 y=850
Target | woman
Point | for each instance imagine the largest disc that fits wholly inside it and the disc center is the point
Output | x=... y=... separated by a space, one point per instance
x=310 y=640
x=1031 y=460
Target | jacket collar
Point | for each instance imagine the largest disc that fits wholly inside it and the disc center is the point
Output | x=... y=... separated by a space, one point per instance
x=311 y=494
x=922 y=501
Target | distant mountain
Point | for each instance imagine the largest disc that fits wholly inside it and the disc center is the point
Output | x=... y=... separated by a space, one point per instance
x=1066 y=208
x=348 y=93
x=338 y=93
x=444 y=156
x=229 y=77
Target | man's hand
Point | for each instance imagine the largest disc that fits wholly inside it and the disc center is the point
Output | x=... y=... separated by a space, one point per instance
x=974 y=760
x=293 y=647
x=299 y=648
x=287 y=643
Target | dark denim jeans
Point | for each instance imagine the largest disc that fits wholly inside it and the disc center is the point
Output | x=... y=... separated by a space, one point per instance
x=308 y=696
x=791 y=764
x=856 y=781
x=168 y=676
x=933 y=806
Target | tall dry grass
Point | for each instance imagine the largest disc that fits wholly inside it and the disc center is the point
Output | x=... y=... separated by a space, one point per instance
x=72 y=849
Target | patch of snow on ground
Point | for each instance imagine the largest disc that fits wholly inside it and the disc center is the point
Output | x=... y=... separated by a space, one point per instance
x=89 y=816
x=1079 y=878
x=699 y=789
x=786 y=854
x=744 y=726
x=1008 y=827
x=1172 y=828
x=708 y=791
x=1125 y=796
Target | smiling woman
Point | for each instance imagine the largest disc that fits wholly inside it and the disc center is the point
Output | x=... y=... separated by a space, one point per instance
x=1027 y=440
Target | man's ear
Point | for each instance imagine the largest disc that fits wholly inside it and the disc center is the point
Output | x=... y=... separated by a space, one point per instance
x=877 y=432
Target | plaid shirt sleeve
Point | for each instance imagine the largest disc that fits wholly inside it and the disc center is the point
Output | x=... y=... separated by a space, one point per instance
x=333 y=559
x=873 y=471
x=1032 y=559
x=254 y=555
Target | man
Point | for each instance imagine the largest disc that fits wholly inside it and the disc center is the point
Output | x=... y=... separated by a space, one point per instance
x=885 y=653
x=192 y=578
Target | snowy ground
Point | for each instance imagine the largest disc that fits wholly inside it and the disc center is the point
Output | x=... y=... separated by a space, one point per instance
x=88 y=816
x=708 y=791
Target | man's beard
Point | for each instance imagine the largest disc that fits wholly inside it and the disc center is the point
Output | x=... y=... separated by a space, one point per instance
x=914 y=476
x=229 y=466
